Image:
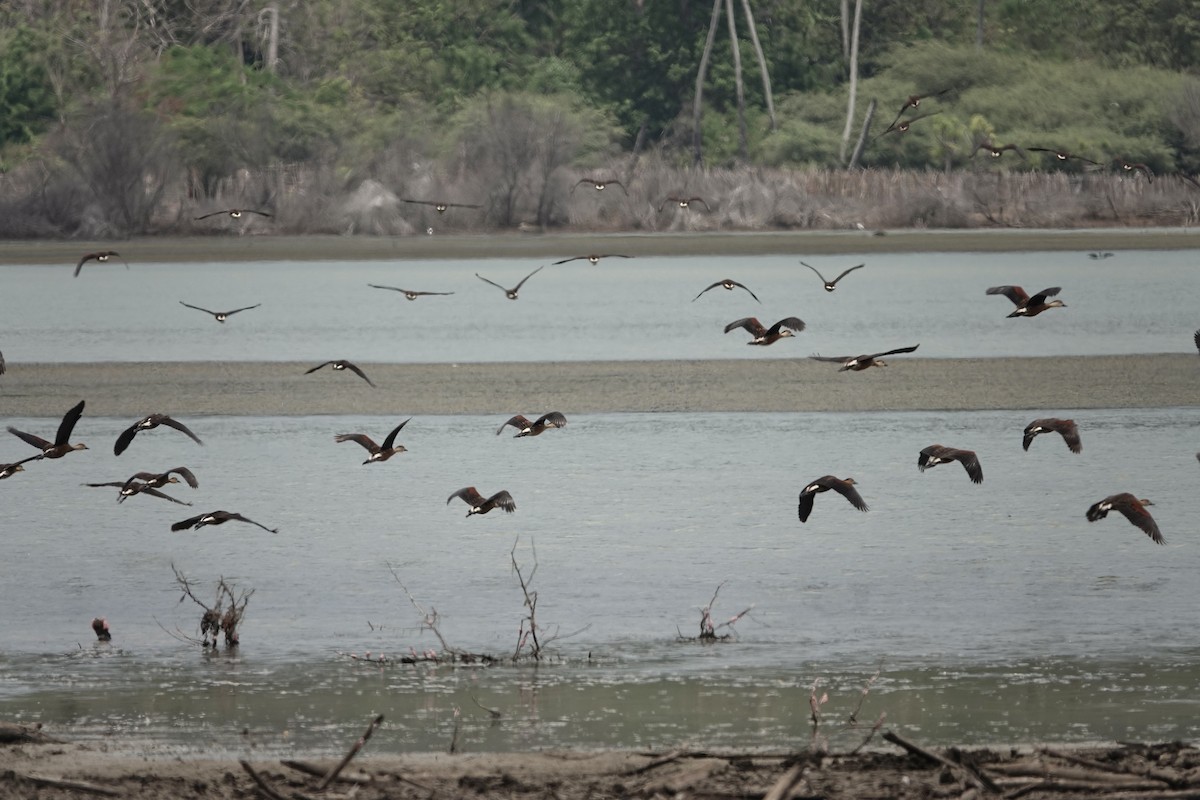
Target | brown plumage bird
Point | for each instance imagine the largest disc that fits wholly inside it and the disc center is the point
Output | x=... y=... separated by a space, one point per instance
x=440 y=205
x=145 y=424
x=599 y=184
x=859 y=363
x=1029 y=306
x=937 y=454
x=220 y=316
x=1061 y=155
x=913 y=101
x=536 y=428
x=339 y=365
x=8 y=470
x=216 y=518
x=765 y=336
x=61 y=444
x=729 y=284
x=511 y=294
x=902 y=125
x=1134 y=510
x=379 y=452
x=592 y=259
x=843 y=486
x=101 y=256
x=232 y=213
x=1065 y=427
x=100 y=627
x=1135 y=168
x=479 y=505
x=158 y=480
x=995 y=150
x=130 y=488
x=409 y=294
x=683 y=202
x=831 y=285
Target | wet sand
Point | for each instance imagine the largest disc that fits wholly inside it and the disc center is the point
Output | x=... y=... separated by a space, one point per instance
x=282 y=389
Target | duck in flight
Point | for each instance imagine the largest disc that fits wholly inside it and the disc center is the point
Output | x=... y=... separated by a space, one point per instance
x=859 y=363
x=233 y=213
x=146 y=481
x=1098 y=255
x=1135 y=168
x=339 y=365
x=765 y=336
x=1134 y=510
x=902 y=126
x=997 y=150
x=61 y=444
x=729 y=284
x=599 y=184
x=511 y=294
x=8 y=470
x=592 y=259
x=130 y=488
x=524 y=427
x=1061 y=155
x=913 y=101
x=440 y=205
x=479 y=505
x=216 y=518
x=683 y=202
x=843 y=486
x=1065 y=427
x=1028 y=306
x=379 y=452
x=937 y=454
x=831 y=285
x=102 y=256
x=409 y=294
x=145 y=424
x=220 y=316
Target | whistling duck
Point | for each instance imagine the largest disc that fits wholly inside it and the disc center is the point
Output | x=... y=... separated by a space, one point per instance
x=1100 y=255
x=1028 y=306
x=1061 y=155
x=220 y=316
x=997 y=150
x=1066 y=427
x=599 y=184
x=234 y=213
x=479 y=505
x=765 y=336
x=145 y=424
x=902 y=126
x=831 y=285
x=536 y=428
x=216 y=518
x=339 y=365
x=729 y=284
x=379 y=452
x=1138 y=167
x=1134 y=510
x=683 y=202
x=158 y=480
x=844 y=487
x=937 y=454
x=102 y=256
x=8 y=470
x=440 y=205
x=913 y=101
x=130 y=488
x=591 y=259
x=100 y=626
x=409 y=294
x=60 y=446
x=511 y=294
x=859 y=363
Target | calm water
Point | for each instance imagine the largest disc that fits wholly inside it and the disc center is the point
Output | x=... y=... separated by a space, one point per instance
x=1135 y=302
x=995 y=612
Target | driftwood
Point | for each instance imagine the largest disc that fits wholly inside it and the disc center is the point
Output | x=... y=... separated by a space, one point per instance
x=360 y=778
x=265 y=788
x=972 y=774
x=60 y=783
x=358 y=745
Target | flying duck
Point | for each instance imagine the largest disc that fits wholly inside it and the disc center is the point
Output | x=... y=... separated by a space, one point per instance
x=1066 y=427
x=913 y=101
x=844 y=487
x=379 y=452
x=1134 y=511
x=599 y=184
x=997 y=150
x=937 y=454
x=102 y=256
x=220 y=316
x=831 y=285
x=592 y=259
x=100 y=627
x=409 y=294
x=1029 y=306
x=511 y=294
x=145 y=424
x=234 y=213
x=60 y=446
x=1061 y=155
x=8 y=470
x=683 y=202
x=766 y=336
x=1098 y=255
x=1137 y=167
x=729 y=284
x=158 y=480
x=340 y=365
x=479 y=505
x=902 y=125
x=216 y=518
x=440 y=205
x=524 y=427
x=859 y=363
x=131 y=488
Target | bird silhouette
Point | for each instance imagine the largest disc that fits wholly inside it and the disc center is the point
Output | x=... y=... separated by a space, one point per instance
x=216 y=518
x=479 y=505
x=1065 y=427
x=102 y=256
x=859 y=363
x=524 y=427
x=727 y=283
x=831 y=285
x=1027 y=305
x=765 y=336
x=379 y=452
x=511 y=294
x=145 y=424
x=409 y=294
x=843 y=486
x=440 y=205
x=61 y=444
x=339 y=365
x=937 y=454
x=592 y=259
x=599 y=184
x=1134 y=510
x=220 y=316
x=233 y=213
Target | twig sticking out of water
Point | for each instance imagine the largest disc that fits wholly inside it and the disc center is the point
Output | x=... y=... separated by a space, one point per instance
x=217 y=618
x=358 y=745
x=708 y=629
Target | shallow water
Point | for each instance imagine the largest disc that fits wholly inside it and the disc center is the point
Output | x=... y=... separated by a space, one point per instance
x=1138 y=301
x=993 y=612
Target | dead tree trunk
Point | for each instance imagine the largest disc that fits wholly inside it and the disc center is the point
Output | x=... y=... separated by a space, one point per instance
x=979 y=26
x=846 y=29
x=853 y=79
x=762 y=61
x=697 y=146
x=743 y=143
x=861 y=144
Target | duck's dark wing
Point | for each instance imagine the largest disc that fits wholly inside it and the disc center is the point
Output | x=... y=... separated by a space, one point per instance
x=1195 y=338
x=791 y=323
x=752 y=294
x=502 y=499
x=68 y=424
x=391 y=437
x=833 y=359
x=722 y=283
x=583 y=182
x=210 y=214
x=179 y=426
x=83 y=261
x=519 y=422
x=354 y=368
x=2 y=358
x=125 y=438
x=554 y=419
x=254 y=211
x=469 y=494
x=931 y=452
x=845 y=273
x=150 y=490
x=245 y=308
x=360 y=438
x=240 y=518
x=183 y=525
x=751 y=324
x=517 y=288
x=1041 y=296
x=568 y=260
x=118 y=484
x=1016 y=294
x=317 y=367
x=186 y=474
x=969 y=460
x=897 y=351
x=701 y=201
x=493 y=283
x=846 y=490
x=198 y=308
x=30 y=438
x=1064 y=427
x=805 y=505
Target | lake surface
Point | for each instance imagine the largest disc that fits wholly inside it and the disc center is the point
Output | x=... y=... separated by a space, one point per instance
x=994 y=613
x=1138 y=301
